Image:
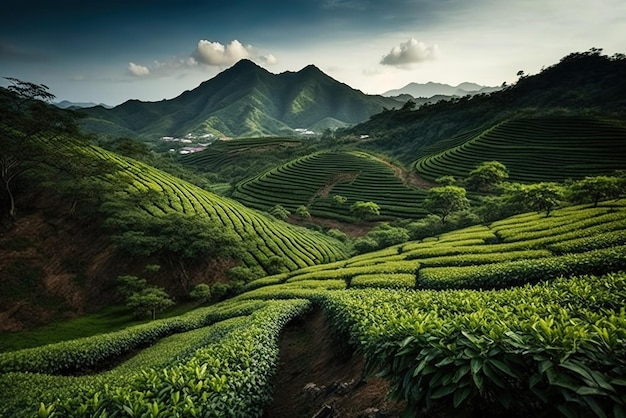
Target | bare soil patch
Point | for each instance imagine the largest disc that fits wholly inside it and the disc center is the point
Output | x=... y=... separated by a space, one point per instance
x=315 y=380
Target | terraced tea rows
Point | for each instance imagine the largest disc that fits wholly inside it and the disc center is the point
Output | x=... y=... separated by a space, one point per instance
x=539 y=149
x=313 y=180
x=531 y=343
x=165 y=193
x=521 y=249
x=222 y=153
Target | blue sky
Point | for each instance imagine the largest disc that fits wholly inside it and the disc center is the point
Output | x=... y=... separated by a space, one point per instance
x=114 y=51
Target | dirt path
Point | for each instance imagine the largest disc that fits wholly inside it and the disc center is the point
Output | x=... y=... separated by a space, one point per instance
x=409 y=178
x=312 y=377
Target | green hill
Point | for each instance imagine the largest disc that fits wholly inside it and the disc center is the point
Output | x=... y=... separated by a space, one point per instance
x=313 y=180
x=533 y=149
x=585 y=85
x=244 y=100
x=297 y=247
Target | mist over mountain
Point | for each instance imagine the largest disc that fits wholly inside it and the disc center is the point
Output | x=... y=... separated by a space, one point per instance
x=244 y=100
x=66 y=104
x=431 y=89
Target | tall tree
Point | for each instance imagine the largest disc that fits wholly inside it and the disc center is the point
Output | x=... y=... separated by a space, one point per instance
x=445 y=200
x=486 y=176
x=539 y=197
x=594 y=189
x=33 y=134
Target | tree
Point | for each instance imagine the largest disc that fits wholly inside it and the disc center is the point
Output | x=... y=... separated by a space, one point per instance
x=303 y=212
x=445 y=200
x=486 y=176
x=33 y=134
x=538 y=197
x=339 y=200
x=594 y=189
x=149 y=300
x=279 y=212
x=386 y=235
x=364 y=210
x=200 y=293
x=179 y=240
x=127 y=285
x=446 y=181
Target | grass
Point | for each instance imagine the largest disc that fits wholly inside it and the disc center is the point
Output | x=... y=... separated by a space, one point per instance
x=112 y=318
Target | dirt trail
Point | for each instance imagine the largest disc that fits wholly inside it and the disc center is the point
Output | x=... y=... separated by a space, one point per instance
x=409 y=178
x=311 y=376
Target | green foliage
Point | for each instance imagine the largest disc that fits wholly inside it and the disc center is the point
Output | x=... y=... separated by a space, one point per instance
x=244 y=274
x=365 y=245
x=539 y=197
x=446 y=181
x=387 y=235
x=445 y=200
x=594 y=189
x=149 y=300
x=339 y=200
x=337 y=234
x=487 y=176
x=229 y=374
x=127 y=285
x=364 y=210
x=200 y=293
x=547 y=348
x=279 y=212
x=302 y=212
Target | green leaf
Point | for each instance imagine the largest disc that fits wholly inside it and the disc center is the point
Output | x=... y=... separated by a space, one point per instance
x=492 y=375
x=460 y=395
x=443 y=391
x=595 y=407
x=503 y=367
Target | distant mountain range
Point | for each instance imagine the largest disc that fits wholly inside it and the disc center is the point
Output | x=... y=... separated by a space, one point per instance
x=244 y=100
x=66 y=104
x=431 y=89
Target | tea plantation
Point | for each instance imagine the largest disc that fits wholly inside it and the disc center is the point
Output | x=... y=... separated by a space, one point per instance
x=533 y=149
x=523 y=316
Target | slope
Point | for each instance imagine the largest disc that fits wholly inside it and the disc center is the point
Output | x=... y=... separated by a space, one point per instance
x=265 y=237
x=505 y=336
x=313 y=180
x=534 y=149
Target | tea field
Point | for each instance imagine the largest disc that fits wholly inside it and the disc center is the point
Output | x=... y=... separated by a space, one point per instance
x=524 y=316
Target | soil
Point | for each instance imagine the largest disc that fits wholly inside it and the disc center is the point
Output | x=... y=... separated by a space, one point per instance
x=316 y=380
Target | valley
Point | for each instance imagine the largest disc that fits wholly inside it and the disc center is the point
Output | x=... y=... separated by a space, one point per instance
x=465 y=257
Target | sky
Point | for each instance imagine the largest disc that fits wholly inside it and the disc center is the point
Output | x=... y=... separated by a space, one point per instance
x=112 y=51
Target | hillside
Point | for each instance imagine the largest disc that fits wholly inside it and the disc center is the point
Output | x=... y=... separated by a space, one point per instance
x=533 y=149
x=244 y=100
x=314 y=180
x=67 y=265
x=516 y=295
x=582 y=85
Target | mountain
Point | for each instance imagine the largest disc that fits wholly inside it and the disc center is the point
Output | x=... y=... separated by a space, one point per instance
x=244 y=100
x=66 y=104
x=431 y=89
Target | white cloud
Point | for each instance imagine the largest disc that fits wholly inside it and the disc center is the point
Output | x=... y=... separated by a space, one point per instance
x=410 y=52
x=268 y=59
x=138 y=70
x=214 y=53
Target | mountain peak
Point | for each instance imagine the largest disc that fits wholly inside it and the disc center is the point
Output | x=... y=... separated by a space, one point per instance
x=245 y=65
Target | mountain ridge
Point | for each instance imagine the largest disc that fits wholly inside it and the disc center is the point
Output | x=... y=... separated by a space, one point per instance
x=430 y=89
x=243 y=100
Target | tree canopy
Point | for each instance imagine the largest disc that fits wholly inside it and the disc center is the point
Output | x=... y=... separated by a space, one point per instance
x=445 y=200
